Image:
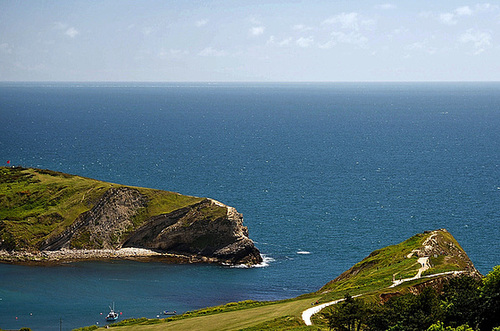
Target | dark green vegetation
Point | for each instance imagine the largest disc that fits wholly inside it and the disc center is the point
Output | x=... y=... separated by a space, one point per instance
x=36 y=204
x=464 y=303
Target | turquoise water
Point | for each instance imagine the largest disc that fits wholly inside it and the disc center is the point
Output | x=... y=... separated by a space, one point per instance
x=323 y=174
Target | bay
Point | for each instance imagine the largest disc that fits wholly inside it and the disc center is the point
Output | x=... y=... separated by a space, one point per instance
x=334 y=170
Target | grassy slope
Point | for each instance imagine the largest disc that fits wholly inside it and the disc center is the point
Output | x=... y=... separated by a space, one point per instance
x=372 y=276
x=229 y=319
x=35 y=203
x=376 y=270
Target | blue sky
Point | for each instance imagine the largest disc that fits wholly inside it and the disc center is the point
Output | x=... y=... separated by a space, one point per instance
x=292 y=41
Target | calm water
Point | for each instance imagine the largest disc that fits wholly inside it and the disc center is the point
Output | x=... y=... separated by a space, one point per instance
x=335 y=170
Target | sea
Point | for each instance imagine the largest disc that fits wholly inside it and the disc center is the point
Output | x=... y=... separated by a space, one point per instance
x=323 y=173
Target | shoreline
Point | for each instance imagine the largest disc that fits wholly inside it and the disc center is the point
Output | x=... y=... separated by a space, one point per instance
x=78 y=255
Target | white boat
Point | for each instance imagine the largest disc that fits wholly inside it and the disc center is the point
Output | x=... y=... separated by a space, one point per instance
x=112 y=316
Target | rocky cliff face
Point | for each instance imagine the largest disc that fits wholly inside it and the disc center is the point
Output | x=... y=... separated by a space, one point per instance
x=208 y=230
x=103 y=225
x=197 y=230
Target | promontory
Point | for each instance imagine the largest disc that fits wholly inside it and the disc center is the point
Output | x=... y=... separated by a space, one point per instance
x=52 y=216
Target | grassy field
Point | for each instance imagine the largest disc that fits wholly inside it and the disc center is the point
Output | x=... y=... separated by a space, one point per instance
x=269 y=315
x=36 y=203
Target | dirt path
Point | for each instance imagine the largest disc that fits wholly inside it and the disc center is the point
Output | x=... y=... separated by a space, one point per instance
x=424 y=262
x=307 y=314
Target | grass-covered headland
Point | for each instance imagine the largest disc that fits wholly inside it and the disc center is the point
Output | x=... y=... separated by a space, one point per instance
x=50 y=216
x=38 y=203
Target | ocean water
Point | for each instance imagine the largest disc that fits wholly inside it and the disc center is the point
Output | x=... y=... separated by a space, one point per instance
x=323 y=174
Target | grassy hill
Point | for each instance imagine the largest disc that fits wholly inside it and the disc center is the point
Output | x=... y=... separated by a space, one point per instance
x=372 y=277
x=51 y=216
x=36 y=204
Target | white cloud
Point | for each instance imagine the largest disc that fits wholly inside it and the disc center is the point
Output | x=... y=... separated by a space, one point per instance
x=257 y=30
x=401 y=31
x=486 y=7
x=71 y=32
x=350 y=21
x=329 y=44
x=60 y=25
x=210 y=51
x=346 y=20
x=66 y=29
x=301 y=28
x=416 y=45
x=147 y=30
x=463 y=11
x=385 y=6
x=305 y=42
x=5 y=48
x=254 y=21
x=451 y=18
x=353 y=38
x=421 y=46
x=285 y=42
x=425 y=14
x=480 y=40
x=448 y=18
x=201 y=23
x=172 y=53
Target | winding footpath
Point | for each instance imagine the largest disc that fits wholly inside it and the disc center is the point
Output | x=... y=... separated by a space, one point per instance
x=425 y=265
x=307 y=314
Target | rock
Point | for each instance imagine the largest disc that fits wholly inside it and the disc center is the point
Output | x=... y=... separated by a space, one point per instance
x=208 y=231
x=104 y=224
x=194 y=231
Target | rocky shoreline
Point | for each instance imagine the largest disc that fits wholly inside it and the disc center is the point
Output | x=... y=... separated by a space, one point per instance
x=74 y=255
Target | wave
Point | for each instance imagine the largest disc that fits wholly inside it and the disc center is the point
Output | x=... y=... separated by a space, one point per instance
x=266 y=260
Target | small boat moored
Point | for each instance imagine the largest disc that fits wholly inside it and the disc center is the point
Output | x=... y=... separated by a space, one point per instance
x=112 y=315
x=167 y=312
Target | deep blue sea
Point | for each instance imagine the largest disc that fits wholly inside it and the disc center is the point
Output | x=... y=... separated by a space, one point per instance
x=323 y=174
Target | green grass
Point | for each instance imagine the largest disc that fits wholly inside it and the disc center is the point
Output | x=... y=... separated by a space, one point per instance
x=234 y=317
x=376 y=270
x=37 y=203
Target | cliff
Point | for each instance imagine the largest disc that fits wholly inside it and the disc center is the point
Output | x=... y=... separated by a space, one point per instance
x=42 y=212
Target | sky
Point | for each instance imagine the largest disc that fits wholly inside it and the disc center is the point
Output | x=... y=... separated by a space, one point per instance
x=249 y=41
